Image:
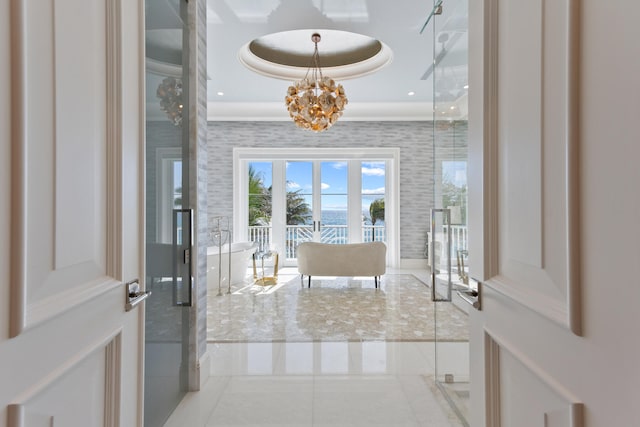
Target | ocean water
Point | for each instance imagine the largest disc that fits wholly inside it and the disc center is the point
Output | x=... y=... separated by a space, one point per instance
x=339 y=217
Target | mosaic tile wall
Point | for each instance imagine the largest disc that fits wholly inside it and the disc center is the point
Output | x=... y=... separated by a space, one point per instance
x=199 y=314
x=415 y=140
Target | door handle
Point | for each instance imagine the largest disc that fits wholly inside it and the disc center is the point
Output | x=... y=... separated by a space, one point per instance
x=182 y=249
x=472 y=296
x=134 y=295
x=446 y=215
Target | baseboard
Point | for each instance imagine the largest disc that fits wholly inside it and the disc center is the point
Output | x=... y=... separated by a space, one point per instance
x=409 y=263
x=205 y=368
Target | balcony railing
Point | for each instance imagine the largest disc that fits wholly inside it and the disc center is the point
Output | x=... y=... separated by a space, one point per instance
x=296 y=234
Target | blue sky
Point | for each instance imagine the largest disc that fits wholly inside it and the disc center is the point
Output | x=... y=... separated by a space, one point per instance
x=334 y=181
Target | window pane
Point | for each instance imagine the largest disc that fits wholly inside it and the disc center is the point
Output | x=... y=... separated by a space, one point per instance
x=334 y=219
x=299 y=178
x=373 y=207
x=334 y=177
x=260 y=176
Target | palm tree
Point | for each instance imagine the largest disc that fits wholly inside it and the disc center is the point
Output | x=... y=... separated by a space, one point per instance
x=298 y=211
x=259 y=200
x=376 y=211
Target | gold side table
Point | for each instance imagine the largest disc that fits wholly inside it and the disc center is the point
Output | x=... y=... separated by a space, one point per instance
x=264 y=279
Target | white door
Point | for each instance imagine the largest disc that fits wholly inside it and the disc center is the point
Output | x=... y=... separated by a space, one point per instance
x=554 y=213
x=71 y=212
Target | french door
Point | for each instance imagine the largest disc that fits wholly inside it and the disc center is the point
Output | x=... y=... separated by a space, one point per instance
x=318 y=206
x=316 y=195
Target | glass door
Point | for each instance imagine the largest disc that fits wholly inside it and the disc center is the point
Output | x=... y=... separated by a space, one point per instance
x=168 y=217
x=317 y=207
x=299 y=197
x=448 y=220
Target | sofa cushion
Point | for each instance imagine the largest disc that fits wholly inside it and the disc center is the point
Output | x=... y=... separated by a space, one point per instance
x=354 y=259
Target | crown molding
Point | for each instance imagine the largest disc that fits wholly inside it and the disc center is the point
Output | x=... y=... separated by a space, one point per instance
x=276 y=111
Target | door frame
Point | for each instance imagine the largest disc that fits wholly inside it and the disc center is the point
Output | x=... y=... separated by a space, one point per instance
x=241 y=155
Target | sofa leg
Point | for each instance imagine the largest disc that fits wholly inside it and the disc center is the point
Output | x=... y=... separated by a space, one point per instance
x=309 y=281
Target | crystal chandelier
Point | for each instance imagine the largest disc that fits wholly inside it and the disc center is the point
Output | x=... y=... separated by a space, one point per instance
x=170 y=94
x=315 y=102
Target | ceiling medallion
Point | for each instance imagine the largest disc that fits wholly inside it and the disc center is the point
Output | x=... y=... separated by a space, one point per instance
x=315 y=102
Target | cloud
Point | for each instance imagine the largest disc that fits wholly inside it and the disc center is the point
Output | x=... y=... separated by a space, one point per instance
x=373 y=171
x=292 y=185
x=374 y=191
x=339 y=165
x=373 y=164
x=325 y=186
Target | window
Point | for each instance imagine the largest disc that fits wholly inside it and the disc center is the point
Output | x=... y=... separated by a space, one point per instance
x=286 y=196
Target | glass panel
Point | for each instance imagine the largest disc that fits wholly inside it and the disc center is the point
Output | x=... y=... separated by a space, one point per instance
x=334 y=228
x=334 y=202
x=299 y=193
x=260 y=203
x=448 y=236
x=373 y=201
x=168 y=238
x=299 y=177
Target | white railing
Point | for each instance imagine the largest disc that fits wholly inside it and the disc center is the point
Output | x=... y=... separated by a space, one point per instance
x=296 y=234
x=459 y=242
x=459 y=238
x=372 y=233
x=260 y=234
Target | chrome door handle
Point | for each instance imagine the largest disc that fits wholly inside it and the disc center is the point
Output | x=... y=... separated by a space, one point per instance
x=472 y=296
x=134 y=295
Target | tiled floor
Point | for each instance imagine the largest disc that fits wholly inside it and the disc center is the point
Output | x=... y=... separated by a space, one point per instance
x=318 y=384
x=323 y=383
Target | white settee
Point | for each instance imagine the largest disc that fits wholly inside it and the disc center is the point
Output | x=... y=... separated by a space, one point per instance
x=354 y=259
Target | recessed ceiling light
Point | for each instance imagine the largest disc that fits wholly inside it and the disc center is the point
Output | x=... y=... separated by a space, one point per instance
x=411 y=93
x=220 y=93
x=453 y=107
x=466 y=86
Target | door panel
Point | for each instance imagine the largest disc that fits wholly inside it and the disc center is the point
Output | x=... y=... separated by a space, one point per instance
x=82 y=394
x=515 y=378
x=535 y=239
x=65 y=228
x=74 y=218
x=536 y=158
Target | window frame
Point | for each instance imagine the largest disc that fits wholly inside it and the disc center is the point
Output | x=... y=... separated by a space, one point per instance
x=391 y=155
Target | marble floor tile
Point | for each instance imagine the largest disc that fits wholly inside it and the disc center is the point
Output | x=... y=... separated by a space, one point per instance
x=266 y=401
x=196 y=407
x=368 y=400
x=366 y=358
